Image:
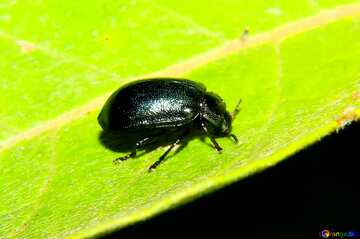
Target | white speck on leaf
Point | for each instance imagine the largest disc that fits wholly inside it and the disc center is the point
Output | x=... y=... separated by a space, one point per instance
x=26 y=47
x=274 y=11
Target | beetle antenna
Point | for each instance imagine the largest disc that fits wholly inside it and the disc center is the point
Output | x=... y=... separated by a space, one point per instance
x=236 y=110
x=234 y=138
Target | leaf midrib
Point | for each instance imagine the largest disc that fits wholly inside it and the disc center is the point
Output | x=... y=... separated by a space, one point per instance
x=323 y=17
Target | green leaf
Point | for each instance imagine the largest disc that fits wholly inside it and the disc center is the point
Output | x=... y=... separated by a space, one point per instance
x=297 y=74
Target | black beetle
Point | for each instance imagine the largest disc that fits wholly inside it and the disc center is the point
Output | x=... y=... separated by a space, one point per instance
x=150 y=109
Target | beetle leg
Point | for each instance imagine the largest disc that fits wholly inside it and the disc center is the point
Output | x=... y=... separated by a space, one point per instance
x=133 y=152
x=162 y=157
x=216 y=145
x=154 y=165
x=234 y=137
x=236 y=110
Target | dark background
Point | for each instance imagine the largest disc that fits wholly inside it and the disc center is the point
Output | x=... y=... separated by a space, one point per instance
x=317 y=188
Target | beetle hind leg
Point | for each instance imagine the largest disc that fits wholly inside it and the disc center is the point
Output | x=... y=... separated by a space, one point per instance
x=126 y=157
x=133 y=152
x=163 y=156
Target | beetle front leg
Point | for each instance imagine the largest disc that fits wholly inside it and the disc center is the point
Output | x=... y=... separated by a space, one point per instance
x=216 y=145
x=236 y=141
x=133 y=152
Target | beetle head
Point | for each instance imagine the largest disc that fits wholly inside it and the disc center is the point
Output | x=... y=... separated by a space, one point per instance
x=214 y=112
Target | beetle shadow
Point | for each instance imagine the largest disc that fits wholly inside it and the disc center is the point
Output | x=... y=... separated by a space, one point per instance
x=121 y=144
